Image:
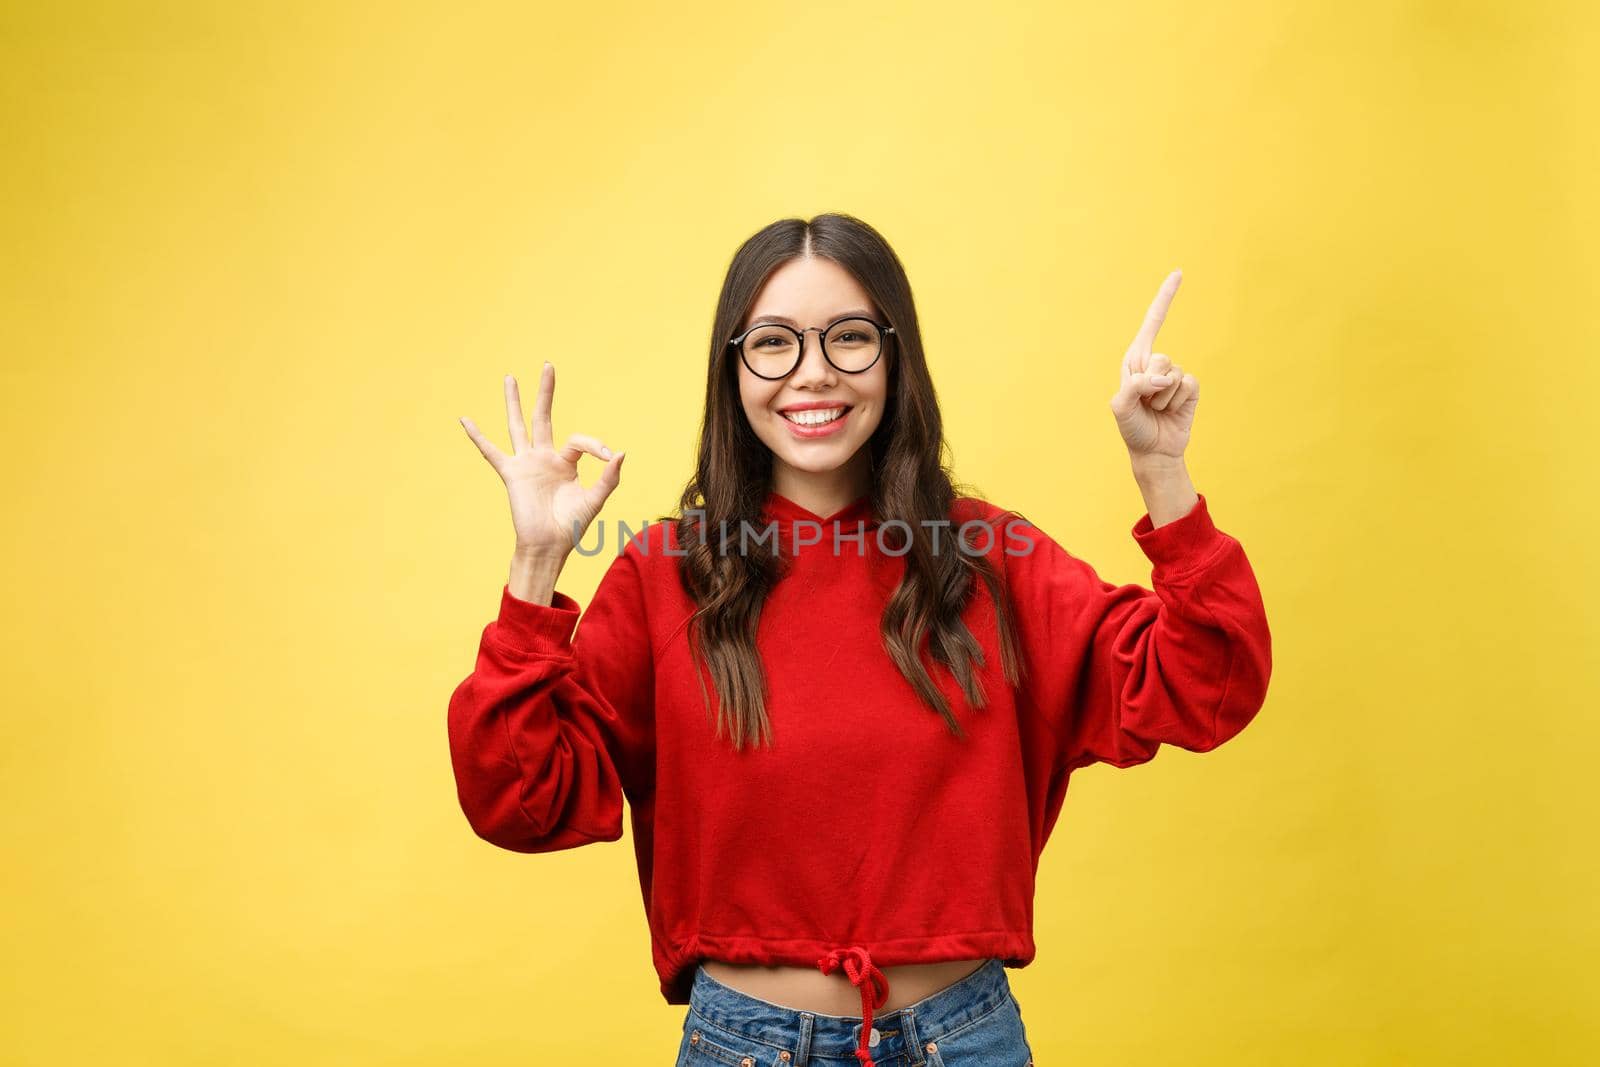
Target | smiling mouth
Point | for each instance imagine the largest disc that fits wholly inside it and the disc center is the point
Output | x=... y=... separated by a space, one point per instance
x=816 y=416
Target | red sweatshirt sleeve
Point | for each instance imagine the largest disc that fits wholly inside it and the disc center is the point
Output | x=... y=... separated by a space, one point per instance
x=1118 y=670
x=550 y=731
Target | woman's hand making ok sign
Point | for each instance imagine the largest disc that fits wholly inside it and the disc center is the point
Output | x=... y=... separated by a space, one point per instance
x=550 y=509
x=1155 y=406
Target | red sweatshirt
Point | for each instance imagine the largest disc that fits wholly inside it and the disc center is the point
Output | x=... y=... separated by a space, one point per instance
x=868 y=834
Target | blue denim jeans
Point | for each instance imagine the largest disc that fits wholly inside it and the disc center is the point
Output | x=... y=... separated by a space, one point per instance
x=975 y=1022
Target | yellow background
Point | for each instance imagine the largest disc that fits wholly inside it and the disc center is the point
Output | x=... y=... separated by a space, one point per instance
x=259 y=259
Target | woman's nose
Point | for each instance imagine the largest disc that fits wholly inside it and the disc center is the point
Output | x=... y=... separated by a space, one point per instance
x=814 y=367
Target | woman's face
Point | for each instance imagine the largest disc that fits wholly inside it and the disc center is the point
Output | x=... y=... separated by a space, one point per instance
x=804 y=292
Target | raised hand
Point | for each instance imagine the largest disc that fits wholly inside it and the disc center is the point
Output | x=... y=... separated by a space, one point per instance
x=1155 y=405
x=550 y=509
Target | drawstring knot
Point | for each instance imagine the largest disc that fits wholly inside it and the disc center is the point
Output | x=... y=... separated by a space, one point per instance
x=865 y=976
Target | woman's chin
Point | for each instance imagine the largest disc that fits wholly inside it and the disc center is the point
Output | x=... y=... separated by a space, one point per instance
x=817 y=458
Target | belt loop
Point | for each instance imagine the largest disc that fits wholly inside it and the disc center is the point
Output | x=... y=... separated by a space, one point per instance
x=913 y=1042
x=802 y=1052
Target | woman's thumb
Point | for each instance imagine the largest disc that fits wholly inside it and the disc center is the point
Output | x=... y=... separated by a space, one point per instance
x=610 y=475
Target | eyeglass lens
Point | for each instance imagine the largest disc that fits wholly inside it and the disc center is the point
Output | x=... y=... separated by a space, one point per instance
x=773 y=350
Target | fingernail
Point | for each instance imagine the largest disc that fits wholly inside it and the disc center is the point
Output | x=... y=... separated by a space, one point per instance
x=604 y=451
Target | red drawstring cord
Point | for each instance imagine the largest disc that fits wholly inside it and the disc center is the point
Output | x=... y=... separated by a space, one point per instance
x=873 y=984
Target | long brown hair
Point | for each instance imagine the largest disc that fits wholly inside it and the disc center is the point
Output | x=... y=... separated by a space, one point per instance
x=910 y=482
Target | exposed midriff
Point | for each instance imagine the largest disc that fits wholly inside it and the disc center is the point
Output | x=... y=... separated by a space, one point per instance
x=808 y=989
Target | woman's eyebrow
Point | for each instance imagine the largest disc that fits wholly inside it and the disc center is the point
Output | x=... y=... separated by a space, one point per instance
x=853 y=313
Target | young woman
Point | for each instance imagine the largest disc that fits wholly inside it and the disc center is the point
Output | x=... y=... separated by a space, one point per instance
x=842 y=700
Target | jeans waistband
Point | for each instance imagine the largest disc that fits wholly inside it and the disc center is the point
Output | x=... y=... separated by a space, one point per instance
x=813 y=1035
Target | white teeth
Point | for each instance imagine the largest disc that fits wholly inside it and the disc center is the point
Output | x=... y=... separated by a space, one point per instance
x=814 y=417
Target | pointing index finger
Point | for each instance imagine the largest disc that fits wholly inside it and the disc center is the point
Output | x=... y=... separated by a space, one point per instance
x=1146 y=338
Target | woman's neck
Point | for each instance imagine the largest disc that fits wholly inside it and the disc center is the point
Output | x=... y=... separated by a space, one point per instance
x=824 y=492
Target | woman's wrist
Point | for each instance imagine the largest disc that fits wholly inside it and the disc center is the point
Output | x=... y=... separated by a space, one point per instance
x=1165 y=484
x=534 y=573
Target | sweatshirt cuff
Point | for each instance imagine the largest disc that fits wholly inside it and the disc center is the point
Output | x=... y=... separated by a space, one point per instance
x=537 y=627
x=1183 y=544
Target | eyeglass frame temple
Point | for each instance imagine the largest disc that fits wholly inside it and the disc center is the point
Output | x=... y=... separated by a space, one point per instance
x=822 y=332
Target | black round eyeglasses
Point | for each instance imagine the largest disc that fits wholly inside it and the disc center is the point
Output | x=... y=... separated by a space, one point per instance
x=773 y=350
